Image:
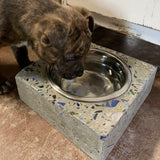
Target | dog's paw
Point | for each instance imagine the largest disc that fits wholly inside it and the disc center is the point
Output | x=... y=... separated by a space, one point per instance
x=6 y=86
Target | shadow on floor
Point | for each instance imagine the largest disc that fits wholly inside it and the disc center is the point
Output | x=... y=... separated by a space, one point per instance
x=9 y=70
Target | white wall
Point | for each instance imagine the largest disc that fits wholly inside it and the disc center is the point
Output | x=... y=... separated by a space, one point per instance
x=143 y=12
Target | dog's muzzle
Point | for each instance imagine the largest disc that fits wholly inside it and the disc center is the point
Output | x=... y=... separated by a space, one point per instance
x=70 y=75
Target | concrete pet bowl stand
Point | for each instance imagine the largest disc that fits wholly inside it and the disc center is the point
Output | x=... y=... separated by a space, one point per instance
x=94 y=127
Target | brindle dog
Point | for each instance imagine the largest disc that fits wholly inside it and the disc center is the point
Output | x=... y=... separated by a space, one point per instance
x=59 y=35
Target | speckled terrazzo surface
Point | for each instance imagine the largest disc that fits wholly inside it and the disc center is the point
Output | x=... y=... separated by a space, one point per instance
x=101 y=118
x=32 y=74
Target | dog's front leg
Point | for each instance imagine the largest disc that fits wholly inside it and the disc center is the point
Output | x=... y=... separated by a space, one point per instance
x=21 y=55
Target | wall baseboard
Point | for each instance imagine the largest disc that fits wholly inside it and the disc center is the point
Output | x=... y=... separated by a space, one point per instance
x=125 y=27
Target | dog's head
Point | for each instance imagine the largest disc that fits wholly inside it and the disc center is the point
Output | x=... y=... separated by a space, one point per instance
x=63 y=40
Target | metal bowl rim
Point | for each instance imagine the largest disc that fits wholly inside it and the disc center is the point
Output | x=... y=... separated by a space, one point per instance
x=97 y=99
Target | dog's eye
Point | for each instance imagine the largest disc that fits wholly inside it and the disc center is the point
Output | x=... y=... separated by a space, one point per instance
x=45 y=40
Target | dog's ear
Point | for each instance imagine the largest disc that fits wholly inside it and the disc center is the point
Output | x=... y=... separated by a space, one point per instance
x=53 y=33
x=87 y=14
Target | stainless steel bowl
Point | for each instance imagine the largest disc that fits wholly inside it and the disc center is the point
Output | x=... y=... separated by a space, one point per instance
x=105 y=77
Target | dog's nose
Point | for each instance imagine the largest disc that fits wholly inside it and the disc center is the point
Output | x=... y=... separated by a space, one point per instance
x=79 y=73
x=68 y=76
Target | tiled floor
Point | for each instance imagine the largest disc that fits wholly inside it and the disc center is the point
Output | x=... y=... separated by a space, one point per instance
x=26 y=136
